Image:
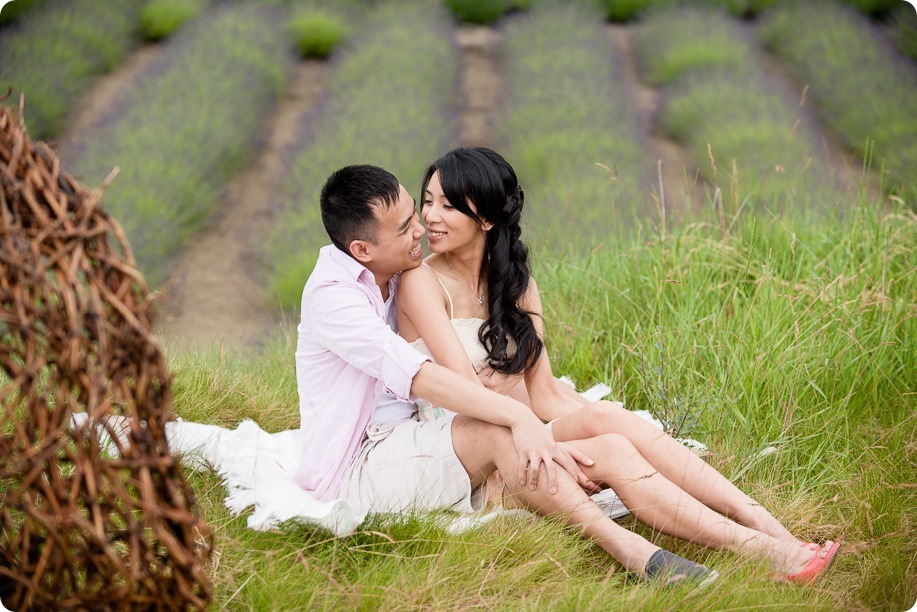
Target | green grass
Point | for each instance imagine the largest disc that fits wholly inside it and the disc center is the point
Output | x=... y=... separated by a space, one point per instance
x=739 y=8
x=316 y=33
x=787 y=333
x=160 y=18
x=388 y=103
x=185 y=127
x=565 y=112
x=904 y=30
x=55 y=51
x=619 y=11
x=479 y=11
x=718 y=95
x=874 y=7
x=12 y=11
x=783 y=332
x=629 y=10
x=860 y=87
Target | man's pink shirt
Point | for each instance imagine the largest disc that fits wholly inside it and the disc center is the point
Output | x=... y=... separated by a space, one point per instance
x=345 y=355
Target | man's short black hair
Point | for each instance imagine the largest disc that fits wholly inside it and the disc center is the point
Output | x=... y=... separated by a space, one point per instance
x=347 y=201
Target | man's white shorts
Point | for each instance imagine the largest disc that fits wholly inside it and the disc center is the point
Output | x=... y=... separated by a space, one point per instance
x=408 y=466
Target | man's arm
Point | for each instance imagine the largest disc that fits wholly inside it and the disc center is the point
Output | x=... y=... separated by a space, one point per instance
x=534 y=442
x=345 y=323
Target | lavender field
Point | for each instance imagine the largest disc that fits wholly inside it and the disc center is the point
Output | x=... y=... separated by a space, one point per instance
x=743 y=104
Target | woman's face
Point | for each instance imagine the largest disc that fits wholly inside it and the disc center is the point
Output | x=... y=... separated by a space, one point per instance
x=448 y=229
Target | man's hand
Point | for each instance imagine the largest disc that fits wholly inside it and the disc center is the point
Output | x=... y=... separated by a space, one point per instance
x=538 y=451
x=497 y=381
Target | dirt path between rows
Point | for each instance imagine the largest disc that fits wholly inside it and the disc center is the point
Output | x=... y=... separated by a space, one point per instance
x=482 y=85
x=217 y=294
x=678 y=184
x=105 y=93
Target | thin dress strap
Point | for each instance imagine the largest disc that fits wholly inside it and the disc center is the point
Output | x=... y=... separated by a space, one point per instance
x=436 y=274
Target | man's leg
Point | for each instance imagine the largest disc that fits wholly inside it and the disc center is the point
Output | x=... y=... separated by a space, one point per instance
x=483 y=447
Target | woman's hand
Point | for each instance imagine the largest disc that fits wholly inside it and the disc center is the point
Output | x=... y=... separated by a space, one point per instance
x=498 y=382
x=587 y=485
x=538 y=450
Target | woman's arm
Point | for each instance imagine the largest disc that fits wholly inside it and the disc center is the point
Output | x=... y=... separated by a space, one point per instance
x=548 y=400
x=423 y=312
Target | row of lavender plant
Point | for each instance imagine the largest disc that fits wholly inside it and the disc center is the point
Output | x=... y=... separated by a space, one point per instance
x=390 y=103
x=626 y=10
x=186 y=126
x=53 y=53
x=744 y=131
x=863 y=89
x=566 y=113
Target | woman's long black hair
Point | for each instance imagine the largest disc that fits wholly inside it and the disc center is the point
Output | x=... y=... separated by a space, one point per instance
x=482 y=176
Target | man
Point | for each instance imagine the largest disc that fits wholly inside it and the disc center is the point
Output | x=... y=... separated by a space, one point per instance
x=357 y=381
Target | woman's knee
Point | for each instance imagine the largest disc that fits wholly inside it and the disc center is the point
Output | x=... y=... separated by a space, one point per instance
x=618 y=444
x=615 y=418
x=604 y=417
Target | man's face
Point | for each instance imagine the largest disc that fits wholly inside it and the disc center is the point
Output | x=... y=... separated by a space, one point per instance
x=398 y=238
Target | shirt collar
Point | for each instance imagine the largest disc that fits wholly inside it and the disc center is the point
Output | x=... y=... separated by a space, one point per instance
x=356 y=270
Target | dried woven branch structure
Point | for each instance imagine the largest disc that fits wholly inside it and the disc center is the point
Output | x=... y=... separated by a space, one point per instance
x=81 y=525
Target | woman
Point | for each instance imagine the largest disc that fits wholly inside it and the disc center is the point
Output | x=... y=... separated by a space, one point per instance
x=474 y=307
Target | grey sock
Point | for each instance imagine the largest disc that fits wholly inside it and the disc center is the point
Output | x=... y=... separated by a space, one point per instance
x=674 y=569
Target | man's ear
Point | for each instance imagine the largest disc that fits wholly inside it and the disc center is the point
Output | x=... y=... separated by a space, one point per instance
x=361 y=251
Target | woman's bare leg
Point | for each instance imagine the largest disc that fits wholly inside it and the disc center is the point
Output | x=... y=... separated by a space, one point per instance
x=483 y=447
x=673 y=460
x=664 y=506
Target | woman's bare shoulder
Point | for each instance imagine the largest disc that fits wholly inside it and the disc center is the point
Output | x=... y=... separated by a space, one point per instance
x=418 y=296
x=531 y=292
x=428 y=274
x=418 y=277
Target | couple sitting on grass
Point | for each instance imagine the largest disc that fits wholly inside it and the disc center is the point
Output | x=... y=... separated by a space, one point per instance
x=493 y=423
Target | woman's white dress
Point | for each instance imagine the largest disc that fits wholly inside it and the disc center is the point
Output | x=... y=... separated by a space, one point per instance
x=467 y=331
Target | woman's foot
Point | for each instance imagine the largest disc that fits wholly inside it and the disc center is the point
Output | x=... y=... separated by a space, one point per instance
x=797 y=560
x=821 y=560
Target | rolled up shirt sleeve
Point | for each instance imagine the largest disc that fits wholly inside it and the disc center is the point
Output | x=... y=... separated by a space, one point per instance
x=345 y=321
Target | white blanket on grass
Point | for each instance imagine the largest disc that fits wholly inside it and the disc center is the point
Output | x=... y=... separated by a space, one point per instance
x=257 y=470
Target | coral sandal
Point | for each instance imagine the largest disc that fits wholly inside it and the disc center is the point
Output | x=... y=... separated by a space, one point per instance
x=816 y=565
